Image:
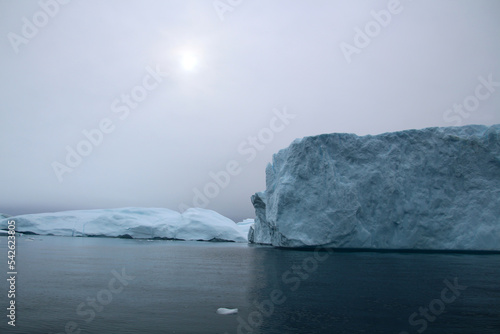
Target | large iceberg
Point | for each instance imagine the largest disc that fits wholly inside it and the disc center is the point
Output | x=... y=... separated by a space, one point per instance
x=435 y=188
x=150 y=223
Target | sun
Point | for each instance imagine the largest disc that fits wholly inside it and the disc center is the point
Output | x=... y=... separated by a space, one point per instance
x=189 y=62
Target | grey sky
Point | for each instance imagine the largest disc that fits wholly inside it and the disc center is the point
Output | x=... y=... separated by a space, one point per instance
x=263 y=58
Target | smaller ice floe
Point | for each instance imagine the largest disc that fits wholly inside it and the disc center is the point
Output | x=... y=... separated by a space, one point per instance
x=226 y=311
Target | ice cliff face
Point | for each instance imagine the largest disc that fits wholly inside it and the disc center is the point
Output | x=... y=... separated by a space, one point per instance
x=436 y=188
x=193 y=224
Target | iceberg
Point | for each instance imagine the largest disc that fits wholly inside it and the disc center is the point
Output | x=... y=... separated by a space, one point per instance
x=148 y=223
x=429 y=189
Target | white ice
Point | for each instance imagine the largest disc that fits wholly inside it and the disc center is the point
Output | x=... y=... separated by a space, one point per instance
x=226 y=311
x=193 y=224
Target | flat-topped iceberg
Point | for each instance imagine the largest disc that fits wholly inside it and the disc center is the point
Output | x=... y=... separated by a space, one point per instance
x=435 y=188
x=193 y=224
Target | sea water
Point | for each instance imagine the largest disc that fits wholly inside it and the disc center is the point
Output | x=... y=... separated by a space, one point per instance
x=106 y=285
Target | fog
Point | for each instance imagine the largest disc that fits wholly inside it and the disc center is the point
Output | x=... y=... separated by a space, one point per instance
x=112 y=103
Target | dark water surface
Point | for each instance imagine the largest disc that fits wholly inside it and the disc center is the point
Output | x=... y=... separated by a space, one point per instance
x=100 y=285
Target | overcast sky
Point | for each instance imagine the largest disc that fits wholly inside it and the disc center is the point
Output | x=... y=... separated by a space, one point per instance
x=113 y=103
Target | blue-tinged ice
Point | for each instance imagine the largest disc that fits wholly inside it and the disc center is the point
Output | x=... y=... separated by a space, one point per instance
x=435 y=188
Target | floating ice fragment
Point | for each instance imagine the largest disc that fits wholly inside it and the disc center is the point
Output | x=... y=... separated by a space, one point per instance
x=226 y=311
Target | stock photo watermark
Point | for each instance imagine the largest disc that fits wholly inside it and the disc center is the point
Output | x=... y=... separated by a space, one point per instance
x=12 y=272
x=122 y=107
x=363 y=37
x=31 y=27
x=93 y=305
x=222 y=7
x=292 y=278
x=436 y=307
x=471 y=103
x=248 y=149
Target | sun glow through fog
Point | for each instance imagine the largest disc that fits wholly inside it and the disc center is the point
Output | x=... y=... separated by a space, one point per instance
x=189 y=62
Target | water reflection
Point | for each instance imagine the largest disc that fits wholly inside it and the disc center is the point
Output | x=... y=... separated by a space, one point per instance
x=296 y=291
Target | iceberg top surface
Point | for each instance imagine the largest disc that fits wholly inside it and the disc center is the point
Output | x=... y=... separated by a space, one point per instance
x=461 y=132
